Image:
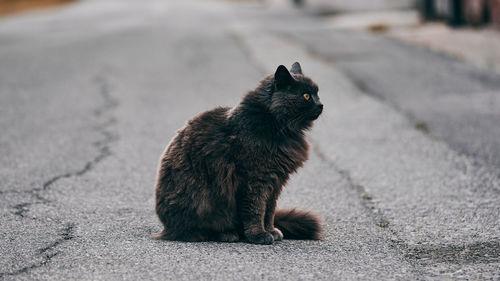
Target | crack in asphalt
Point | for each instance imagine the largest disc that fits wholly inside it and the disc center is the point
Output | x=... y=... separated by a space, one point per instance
x=367 y=199
x=425 y=255
x=47 y=253
x=472 y=253
x=104 y=151
x=67 y=234
x=101 y=145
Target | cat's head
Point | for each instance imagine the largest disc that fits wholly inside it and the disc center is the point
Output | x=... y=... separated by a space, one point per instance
x=294 y=102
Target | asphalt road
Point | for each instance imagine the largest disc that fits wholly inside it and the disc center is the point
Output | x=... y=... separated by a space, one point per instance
x=404 y=167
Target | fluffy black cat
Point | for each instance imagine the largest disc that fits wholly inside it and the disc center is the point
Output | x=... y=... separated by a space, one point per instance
x=221 y=175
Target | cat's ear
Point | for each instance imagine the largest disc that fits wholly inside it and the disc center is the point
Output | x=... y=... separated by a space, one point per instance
x=282 y=77
x=296 y=69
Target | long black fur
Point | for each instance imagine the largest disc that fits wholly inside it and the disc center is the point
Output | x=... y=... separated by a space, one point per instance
x=220 y=177
x=296 y=224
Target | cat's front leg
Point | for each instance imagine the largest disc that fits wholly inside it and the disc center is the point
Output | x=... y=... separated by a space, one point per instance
x=251 y=210
x=269 y=218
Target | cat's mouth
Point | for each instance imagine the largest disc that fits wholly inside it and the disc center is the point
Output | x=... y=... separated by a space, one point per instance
x=316 y=112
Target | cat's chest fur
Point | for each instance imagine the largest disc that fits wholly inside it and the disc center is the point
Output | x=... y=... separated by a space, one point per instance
x=258 y=159
x=291 y=155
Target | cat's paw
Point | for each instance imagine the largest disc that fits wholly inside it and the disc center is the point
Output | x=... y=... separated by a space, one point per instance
x=277 y=234
x=265 y=238
x=229 y=237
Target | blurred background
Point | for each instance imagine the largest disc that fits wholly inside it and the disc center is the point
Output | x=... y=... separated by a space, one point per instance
x=404 y=163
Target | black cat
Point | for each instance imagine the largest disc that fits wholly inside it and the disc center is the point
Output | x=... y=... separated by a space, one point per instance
x=221 y=175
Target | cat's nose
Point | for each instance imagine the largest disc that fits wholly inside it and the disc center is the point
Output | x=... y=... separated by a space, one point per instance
x=319 y=108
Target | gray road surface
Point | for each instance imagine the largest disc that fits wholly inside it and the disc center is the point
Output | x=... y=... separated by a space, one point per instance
x=404 y=167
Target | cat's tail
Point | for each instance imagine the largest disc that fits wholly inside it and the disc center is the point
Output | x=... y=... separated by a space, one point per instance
x=296 y=224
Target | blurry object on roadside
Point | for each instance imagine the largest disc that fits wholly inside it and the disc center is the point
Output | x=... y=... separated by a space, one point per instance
x=448 y=10
x=475 y=12
x=378 y=27
x=495 y=13
x=461 y=12
x=298 y=3
x=340 y=6
x=376 y=21
x=8 y=7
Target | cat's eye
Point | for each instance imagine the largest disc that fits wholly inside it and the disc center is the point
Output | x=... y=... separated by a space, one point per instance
x=307 y=96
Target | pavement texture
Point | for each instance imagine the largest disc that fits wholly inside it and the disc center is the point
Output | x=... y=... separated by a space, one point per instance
x=404 y=164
